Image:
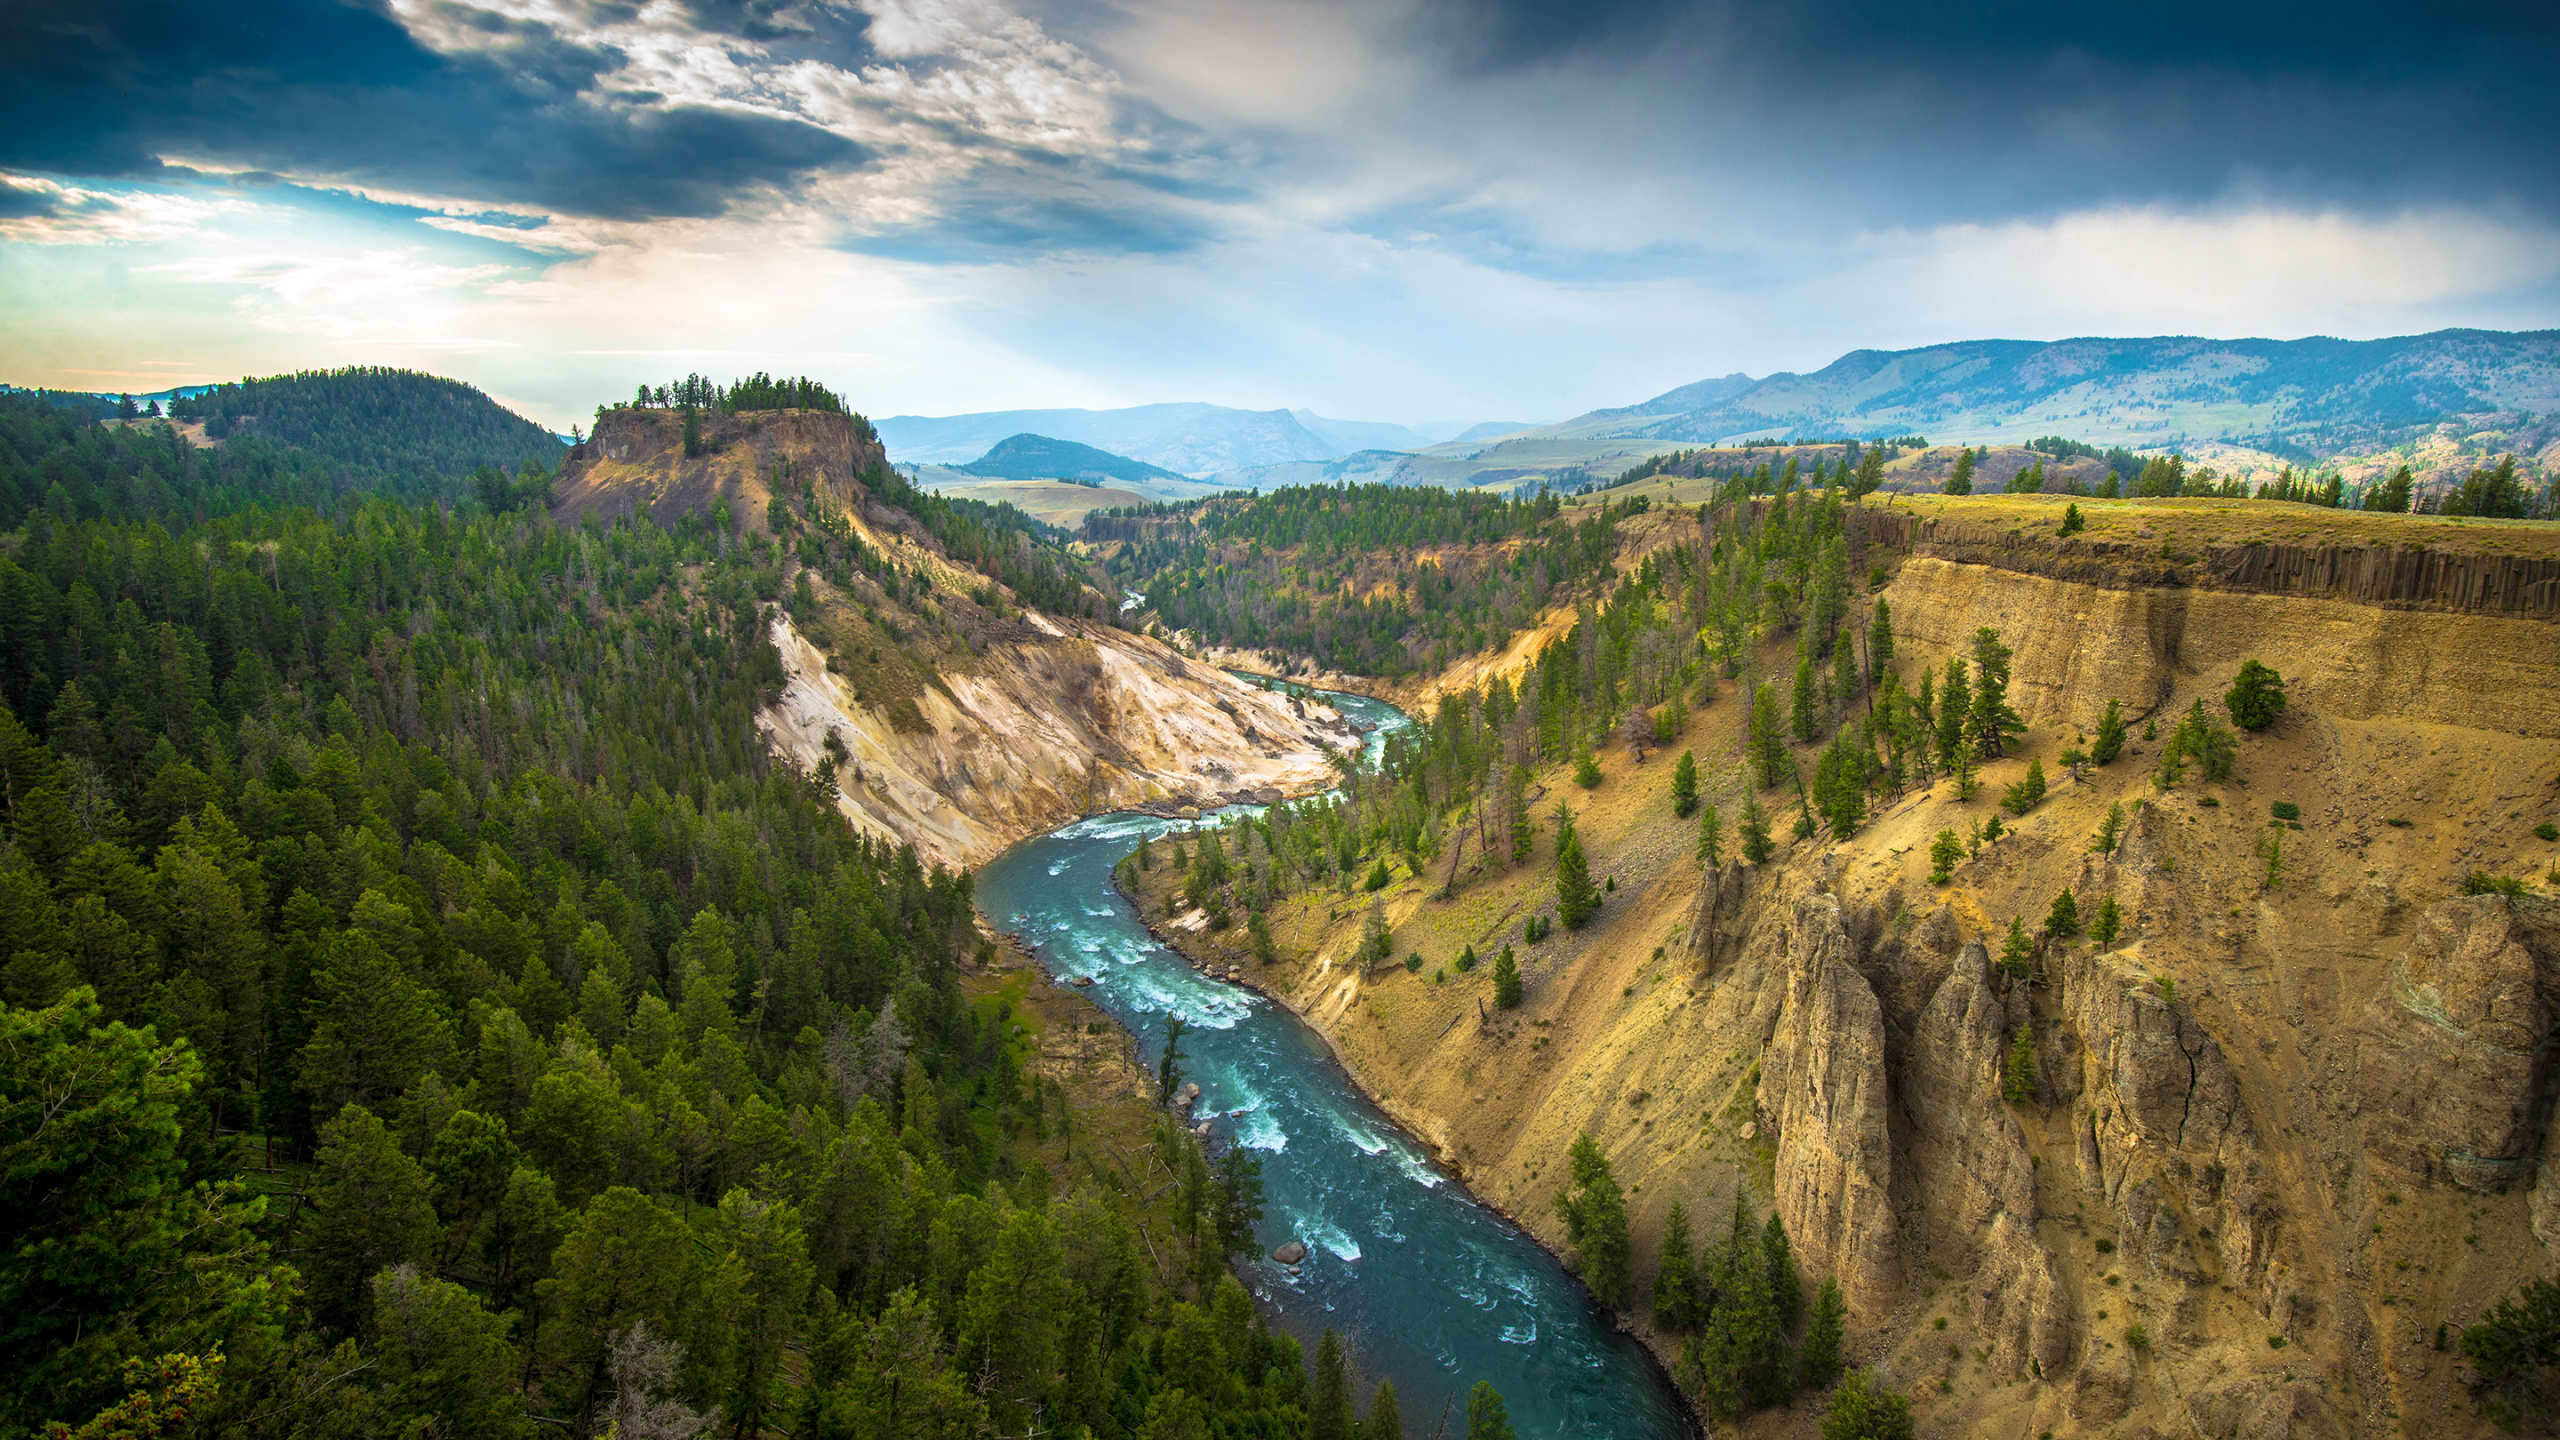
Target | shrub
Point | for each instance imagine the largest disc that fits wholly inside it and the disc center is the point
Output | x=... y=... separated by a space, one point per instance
x=2136 y=1337
x=2398 y=822
x=1586 y=771
x=1540 y=926
x=2286 y=810
x=2481 y=882
x=1413 y=963
x=1466 y=960
x=2546 y=831
x=2106 y=1247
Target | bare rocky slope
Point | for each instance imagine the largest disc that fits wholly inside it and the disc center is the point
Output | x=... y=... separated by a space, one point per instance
x=966 y=721
x=2288 y=1133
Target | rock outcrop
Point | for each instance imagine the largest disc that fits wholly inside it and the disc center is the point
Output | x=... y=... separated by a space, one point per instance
x=2455 y=1062
x=1823 y=1092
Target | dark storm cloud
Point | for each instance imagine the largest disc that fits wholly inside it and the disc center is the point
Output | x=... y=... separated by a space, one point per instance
x=328 y=91
x=2014 y=107
x=991 y=218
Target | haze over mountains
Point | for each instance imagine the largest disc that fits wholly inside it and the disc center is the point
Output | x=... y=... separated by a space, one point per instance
x=2310 y=400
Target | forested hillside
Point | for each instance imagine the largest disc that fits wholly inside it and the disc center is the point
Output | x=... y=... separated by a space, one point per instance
x=430 y=1010
x=396 y=425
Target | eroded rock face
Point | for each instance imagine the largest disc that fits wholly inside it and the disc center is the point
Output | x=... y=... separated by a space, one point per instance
x=2454 y=1073
x=1969 y=1157
x=1823 y=1092
x=1718 y=925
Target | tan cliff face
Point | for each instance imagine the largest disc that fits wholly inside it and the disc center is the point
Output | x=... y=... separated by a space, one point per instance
x=1079 y=719
x=2291 y=1122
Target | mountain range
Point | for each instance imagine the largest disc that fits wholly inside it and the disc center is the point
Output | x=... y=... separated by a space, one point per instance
x=2308 y=400
x=2316 y=395
x=1042 y=457
x=1189 y=438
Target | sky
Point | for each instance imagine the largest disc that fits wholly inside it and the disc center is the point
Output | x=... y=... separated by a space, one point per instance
x=1424 y=211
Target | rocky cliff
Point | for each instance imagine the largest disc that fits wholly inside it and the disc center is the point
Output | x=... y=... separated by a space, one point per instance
x=2287 y=1125
x=949 y=716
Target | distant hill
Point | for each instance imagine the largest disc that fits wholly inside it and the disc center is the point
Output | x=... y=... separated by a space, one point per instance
x=1188 y=438
x=2316 y=397
x=1040 y=457
x=393 y=422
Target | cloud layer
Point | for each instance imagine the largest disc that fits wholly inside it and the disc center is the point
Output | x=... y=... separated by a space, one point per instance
x=1419 y=209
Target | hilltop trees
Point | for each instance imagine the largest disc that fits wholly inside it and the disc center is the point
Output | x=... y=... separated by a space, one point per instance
x=1960 y=479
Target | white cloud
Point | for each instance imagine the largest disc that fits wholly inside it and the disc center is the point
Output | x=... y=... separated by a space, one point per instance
x=73 y=215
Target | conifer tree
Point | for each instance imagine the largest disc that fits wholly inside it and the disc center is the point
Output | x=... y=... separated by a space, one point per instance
x=1516 y=801
x=1677 y=1307
x=1506 y=980
x=1989 y=722
x=1955 y=702
x=2017 y=952
x=2110 y=742
x=1865 y=1408
x=1487 y=1417
x=1384 y=1421
x=2064 y=918
x=1944 y=852
x=1684 y=785
x=1594 y=1212
x=1576 y=897
x=1818 y=1359
x=1754 y=829
x=1807 y=711
x=1880 y=642
x=1768 y=737
x=1711 y=838
x=1960 y=479
x=1329 y=1409
x=2110 y=922
x=2256 y=696
x=2018 y=1075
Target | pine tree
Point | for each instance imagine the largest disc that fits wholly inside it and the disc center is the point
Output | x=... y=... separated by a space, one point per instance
x=2017 y=952
x=1944 y=852
x=2110 y=830
x=1989 y=722
x=1487 y=1417
x=1786 y=1285
x=1516 y=801
x=1684 y=785
x=1329 y=1410
x=1677 y=1306
x=1586 y=770
x=1384 y=1421
x=1807 y=714
x=1576 y=897
x=1818 y=1359
x=1955 y=702
x=1754 y=829
x=1506 y=980
x=2110 y=922
x=1594 y=1212
x=2018 y=1076
x=1880 y=642
x=2064 y=918
x=2110 y=741
x=1710 y=838
x=369 y=1210
x=2027 y=793
x=1768 y=737
x=1960 y=479
x=2073 y=522
x=2256 y=696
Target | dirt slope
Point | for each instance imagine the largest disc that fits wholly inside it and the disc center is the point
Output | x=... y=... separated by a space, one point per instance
x=2288 y=1124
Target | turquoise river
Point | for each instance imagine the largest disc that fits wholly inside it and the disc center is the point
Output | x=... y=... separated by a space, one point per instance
x=1430 y=1287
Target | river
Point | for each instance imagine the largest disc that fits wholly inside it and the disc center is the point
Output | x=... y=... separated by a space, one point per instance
x=1429 y=1287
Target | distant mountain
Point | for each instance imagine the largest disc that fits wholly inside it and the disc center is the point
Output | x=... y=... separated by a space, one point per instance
x=1188 y=438
x=1489 y=430
x=1040 y=457
x=2314 y=396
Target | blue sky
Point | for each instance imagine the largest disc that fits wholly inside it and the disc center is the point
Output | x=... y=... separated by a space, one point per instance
x=1414 y=210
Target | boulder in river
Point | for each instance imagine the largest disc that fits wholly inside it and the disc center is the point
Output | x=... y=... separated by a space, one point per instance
x=1290 y=1254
